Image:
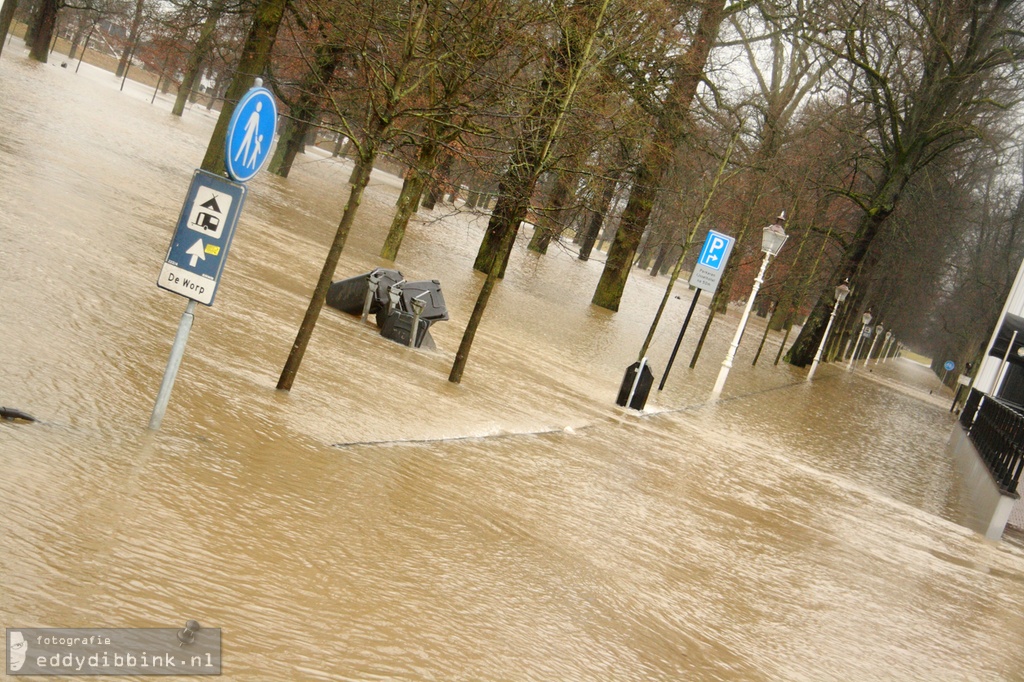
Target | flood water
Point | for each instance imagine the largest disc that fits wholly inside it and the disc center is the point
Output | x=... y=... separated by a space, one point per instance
x=380 y=523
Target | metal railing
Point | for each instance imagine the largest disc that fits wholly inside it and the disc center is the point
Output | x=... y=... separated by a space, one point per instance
x=997 y=431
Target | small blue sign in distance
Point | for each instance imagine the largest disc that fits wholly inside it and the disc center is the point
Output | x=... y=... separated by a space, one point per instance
x=199 y=247
x=250 y=134
x=715 y=246
x=949 y=366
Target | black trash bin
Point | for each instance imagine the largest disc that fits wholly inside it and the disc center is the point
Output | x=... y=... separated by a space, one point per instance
x=428 y=291
x=643 y=387
x=348 y=295
x=398 y=327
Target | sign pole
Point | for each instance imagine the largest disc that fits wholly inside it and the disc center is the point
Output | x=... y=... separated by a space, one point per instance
x=199 y=247
x=705 y=277
x=947 y=367
x=173 y=363
x=679 y=339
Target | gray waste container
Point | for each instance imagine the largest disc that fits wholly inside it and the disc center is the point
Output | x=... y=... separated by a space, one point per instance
x=348 y=295
x=398 y=327
x=428 y=291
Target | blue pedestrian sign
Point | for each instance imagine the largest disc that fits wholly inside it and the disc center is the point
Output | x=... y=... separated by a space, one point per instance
x=949 y=366
x=250 y=134
x=711 y=262
x=200 y=244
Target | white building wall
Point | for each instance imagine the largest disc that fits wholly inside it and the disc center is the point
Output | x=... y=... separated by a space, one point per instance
x=986 y=378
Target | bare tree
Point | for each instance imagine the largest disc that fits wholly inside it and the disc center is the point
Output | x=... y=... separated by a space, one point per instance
x=569 y=62
x=672 y=114
x=927 y=77
x=255 y=58
x=6 y=17
x=198 y=56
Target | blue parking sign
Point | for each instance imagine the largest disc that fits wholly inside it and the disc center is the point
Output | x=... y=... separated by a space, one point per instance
x=711 y=261
x=250 y=134
x=716 y=246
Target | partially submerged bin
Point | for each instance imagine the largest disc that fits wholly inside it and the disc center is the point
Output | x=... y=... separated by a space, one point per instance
x=397 y=324
x=398 y=327
x=349 y=295
x=428 y=291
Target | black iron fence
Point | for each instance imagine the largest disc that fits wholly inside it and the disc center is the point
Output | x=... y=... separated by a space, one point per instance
x=996 y=429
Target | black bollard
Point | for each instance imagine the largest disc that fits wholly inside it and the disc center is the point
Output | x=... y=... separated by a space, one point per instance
x=636 y=386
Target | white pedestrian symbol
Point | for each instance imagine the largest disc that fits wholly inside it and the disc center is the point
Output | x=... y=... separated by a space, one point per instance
x=255 y=152
x=252 y=141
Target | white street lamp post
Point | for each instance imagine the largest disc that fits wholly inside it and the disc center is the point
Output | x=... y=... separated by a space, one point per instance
x=885 y=348
x=772 y=239
x=865 y=320
x=878 y=334
x=842 y=291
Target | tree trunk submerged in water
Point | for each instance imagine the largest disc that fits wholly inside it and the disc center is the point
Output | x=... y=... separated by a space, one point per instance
x=409 y=199
x=657 y=157
x=6 y=17
x=195 y=60
x=360 y=178
x=290 y=143
x=557 y=90
x=42 y=32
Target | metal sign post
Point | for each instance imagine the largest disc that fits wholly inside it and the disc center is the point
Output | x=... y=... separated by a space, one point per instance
x=195 y=260
x=705 y=276
x=679 y=339
x=947 y=367
x=173 y=363
x=199 y=248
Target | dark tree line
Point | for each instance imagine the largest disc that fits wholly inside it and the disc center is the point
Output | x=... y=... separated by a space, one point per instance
x=881 y=128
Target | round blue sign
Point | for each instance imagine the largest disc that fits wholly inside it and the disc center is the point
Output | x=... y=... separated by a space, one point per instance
x=949 y=365
x=250 y=134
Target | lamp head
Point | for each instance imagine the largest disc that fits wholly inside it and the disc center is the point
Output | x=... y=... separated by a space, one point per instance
x=866 y=318
x=843 y=290
x=774 y=236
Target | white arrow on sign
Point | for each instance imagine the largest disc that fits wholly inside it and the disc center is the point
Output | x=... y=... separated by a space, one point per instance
x=196 y=251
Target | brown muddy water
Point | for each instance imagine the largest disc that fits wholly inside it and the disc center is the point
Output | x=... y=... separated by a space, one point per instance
x=380 y=523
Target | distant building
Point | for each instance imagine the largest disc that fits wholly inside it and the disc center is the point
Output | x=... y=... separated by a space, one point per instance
x=988 y=441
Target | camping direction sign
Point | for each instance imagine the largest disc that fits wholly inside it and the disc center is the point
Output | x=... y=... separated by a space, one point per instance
x=711 y=262
x=195 y=258
x=207 y=222
x=250 y=133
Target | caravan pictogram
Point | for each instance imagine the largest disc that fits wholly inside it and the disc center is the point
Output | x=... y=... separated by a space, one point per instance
x=208 y=212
